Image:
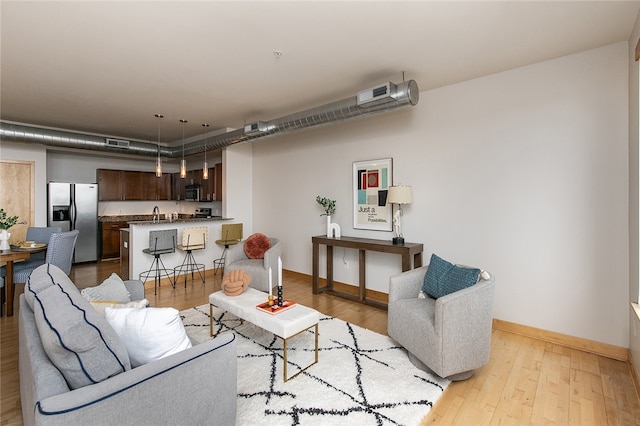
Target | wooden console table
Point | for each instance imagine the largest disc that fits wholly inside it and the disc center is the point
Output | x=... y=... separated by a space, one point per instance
x=407 y=250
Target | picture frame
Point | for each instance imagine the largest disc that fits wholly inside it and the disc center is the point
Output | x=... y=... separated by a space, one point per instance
x=371 y=182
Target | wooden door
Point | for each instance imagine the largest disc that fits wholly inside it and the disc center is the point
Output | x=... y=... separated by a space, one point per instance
x=17 y=195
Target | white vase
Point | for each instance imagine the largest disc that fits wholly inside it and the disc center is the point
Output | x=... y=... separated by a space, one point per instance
x=4 y=240
x=333 y=229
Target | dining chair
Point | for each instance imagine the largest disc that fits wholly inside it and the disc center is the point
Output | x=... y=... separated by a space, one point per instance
x=60 y=247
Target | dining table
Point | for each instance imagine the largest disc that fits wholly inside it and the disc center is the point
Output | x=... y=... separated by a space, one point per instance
x=15 y=254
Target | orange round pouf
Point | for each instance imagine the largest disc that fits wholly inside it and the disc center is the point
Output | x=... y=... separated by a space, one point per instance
x=235 y=282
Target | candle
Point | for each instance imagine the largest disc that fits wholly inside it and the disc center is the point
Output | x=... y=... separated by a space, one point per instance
x=270 y=281
x=279 y=272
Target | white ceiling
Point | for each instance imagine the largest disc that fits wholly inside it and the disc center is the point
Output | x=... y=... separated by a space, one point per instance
x=108 y=67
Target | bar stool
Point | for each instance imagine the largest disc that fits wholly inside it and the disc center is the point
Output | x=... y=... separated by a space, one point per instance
x=231 y=234
x=192 y=239
x=160 y=242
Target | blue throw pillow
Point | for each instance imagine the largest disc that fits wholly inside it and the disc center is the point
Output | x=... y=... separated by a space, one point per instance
x=444 y=278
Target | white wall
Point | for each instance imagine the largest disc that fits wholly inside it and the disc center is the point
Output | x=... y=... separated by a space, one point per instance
x=237 y=173
x=38 y=154
x=634 y=201
x=523 y=173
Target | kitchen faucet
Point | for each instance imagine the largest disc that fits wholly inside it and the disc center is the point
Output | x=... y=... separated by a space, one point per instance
x=156 y=214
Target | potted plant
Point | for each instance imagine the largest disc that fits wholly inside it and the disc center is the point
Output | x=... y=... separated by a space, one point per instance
x=6 y=222
x=333 y=229
x=328 y=205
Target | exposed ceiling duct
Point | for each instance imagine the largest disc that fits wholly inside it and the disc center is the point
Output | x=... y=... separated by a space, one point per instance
x=403 y=94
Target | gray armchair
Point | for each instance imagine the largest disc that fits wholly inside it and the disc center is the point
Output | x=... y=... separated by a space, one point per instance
x=451 y=335
x=257 y=268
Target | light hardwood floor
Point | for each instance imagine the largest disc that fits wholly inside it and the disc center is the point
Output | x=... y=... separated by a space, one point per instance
x=526 y=381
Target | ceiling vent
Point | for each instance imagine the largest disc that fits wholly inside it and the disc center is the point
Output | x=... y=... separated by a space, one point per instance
x=117 y=143
x=256 y=128
x=377 y=95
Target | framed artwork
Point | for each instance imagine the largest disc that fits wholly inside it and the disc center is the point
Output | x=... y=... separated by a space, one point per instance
x=371 y=182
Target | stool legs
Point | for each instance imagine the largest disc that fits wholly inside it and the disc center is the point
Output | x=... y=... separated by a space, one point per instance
x=160 y=271
x=189 y=264
x=219 y=263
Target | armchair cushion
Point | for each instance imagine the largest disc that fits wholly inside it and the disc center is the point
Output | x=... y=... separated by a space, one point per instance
x=256 y=245
x=444 y=278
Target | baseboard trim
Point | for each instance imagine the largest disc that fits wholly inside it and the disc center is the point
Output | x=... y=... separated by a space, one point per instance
x=598 y=348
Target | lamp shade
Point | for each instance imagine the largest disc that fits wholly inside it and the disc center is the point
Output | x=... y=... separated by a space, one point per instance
x=400 y=194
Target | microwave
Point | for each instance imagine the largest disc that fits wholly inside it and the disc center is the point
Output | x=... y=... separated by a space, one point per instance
x=192 y=192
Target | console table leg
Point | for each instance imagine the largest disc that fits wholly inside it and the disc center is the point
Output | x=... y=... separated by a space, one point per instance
x=329 y=268
x=315 y=271
x=406 y=262
x=362 y=275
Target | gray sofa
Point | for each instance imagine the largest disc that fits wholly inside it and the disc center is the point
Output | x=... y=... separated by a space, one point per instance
x=451 y=335
x=195 y=386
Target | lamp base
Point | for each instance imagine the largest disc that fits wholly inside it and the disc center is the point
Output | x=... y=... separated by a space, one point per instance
x=397 y=241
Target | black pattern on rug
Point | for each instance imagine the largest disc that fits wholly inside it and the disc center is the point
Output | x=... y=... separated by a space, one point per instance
x=361 y=378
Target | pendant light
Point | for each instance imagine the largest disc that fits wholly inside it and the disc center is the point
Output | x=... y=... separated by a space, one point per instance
x=183 y=163
x=158 y=160
x=205 y=166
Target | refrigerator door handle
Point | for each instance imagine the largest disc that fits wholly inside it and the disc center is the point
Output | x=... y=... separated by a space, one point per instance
x=73 y=214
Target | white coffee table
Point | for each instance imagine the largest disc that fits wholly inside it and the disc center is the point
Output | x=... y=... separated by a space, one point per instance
x=285 y=325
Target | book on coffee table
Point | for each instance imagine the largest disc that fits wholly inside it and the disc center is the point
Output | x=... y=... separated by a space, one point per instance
x=275 y=309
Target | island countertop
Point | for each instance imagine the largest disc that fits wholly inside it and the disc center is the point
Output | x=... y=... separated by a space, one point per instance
x=139 y=240
x=143 y=219
x=186 y=220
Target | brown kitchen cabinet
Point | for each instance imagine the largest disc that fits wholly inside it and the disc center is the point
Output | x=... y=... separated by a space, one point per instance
x=109 y=185
x=156 y=188
x=124 y=253
x=132 y=186
x=217 y=181
x=163 y=187
x=211 y=186
x=111 y=239
x=124 y=185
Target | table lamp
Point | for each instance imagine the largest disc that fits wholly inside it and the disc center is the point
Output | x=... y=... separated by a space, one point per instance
x=399 y=195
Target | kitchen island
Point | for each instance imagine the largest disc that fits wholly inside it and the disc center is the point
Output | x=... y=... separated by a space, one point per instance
x=139 y=240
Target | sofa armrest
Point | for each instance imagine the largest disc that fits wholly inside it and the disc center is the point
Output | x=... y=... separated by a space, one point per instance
x=197 y=385
x=406 y=285
x=135 y=289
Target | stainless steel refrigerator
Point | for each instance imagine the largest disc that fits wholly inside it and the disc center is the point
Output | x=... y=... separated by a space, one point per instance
x=75 y=206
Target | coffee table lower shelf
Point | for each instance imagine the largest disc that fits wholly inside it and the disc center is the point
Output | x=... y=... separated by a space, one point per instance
x=284 y=325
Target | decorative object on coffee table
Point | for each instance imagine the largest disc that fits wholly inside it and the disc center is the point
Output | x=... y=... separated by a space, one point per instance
x=235 y=282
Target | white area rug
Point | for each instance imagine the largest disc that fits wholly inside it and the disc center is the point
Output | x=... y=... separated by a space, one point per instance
x=361 y=378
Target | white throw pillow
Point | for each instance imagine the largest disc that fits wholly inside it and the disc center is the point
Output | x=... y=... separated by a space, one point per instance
x=99 y=305
x=112 y=289
x=148 y=334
